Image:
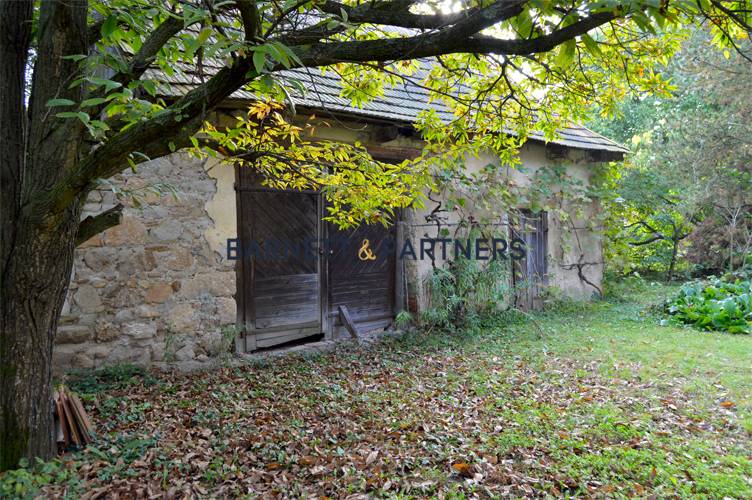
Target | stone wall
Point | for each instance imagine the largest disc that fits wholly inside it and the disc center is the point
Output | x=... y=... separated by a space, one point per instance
x=154 y=288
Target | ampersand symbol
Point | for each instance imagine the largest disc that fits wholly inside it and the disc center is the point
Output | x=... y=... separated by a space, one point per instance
x=365 y=253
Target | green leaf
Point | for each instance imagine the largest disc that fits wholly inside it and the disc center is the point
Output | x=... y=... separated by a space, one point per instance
x=524 y=23
x=591 y=45
x=60 y=102
x=204 y=35
x=566 y=54
x=94 y=101
x=75 y=114
x=150 y=86
x=298 y=85
x=99 y=82
x=288 y=52
x=109 y=26
x=279 y=55
x=259 y=61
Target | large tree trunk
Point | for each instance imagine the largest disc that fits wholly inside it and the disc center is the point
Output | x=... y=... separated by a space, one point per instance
x=33 y=291
x=37 y=245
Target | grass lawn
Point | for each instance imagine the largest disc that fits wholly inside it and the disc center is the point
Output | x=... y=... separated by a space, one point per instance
x=585 y=399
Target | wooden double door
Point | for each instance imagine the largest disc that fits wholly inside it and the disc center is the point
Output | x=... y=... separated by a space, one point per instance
x=295 y=270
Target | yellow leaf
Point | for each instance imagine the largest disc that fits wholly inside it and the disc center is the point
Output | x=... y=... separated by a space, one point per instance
x=463 y=468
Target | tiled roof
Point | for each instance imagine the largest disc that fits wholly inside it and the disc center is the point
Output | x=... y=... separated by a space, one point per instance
x=400 y=103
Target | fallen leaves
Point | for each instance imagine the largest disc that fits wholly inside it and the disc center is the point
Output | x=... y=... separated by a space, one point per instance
x=464 y=469
x=371 y=458
x=415 y=421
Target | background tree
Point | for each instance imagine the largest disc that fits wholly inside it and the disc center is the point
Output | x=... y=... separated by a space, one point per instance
x=686 y=191
x=648 y=221
x=90 y=109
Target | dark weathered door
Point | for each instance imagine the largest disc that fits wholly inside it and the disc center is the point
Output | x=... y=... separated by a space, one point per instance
x=361 y=272
x=280 y=283
x=530 y=275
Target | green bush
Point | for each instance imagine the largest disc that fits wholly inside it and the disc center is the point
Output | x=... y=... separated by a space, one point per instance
x=714 y=304
x=465 y=292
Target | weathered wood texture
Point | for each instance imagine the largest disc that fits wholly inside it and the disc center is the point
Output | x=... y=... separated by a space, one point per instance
x=344 y=316
x=280 y=269
x=286 y=288
x=530 y=274
x=365 y=287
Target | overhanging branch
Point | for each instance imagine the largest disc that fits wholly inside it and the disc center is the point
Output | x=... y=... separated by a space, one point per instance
x=394 y=14
x=93 y=225
x=180 y=120
x=487 y=44
x=460 y=37
x=151 y=46
x=183 y=117
x=249 y=14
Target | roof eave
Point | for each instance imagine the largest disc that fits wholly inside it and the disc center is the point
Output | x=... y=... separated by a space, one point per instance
x=615 y=153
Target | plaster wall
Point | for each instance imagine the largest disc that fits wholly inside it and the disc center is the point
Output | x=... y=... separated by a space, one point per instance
x=574 y=243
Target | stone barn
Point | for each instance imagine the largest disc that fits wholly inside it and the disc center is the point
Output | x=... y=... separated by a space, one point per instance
x=165 y=286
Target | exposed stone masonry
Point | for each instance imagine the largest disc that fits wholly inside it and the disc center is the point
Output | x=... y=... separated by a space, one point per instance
x=151 y=289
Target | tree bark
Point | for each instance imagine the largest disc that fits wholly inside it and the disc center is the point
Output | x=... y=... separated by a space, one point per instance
x=93 y=225
x=33 y=291
x=37 y=247
x=15 y=37
x=672 y=264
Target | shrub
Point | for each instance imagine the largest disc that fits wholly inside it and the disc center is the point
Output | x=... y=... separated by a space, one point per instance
x=465 y=292
x=714 y=304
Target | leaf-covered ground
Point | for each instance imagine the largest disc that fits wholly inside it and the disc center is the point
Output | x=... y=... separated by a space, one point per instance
x=566 y=404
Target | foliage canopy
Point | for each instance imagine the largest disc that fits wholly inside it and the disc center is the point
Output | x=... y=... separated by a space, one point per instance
x=687 y=182
x=507 y=66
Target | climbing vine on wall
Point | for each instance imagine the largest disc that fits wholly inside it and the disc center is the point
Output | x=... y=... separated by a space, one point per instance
x=490 y=194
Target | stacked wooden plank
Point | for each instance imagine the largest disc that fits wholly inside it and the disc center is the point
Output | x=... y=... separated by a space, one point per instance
x=72 y=424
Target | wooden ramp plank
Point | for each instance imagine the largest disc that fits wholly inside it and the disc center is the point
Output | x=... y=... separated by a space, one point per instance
x=348 y=322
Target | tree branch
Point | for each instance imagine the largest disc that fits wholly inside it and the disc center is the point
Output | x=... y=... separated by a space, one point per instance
x=643 y=224
x=460 y=37
x=736 y=15
x=487 y=44
x=182 y=118
x=251 y=20
x=148 y=51
x=93 y=225
x=394 y=14
x=647 y=241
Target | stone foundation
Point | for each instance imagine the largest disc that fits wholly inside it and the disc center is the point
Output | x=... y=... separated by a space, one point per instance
x=152 y=289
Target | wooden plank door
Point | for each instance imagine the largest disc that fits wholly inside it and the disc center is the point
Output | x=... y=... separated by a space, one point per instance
x=281 y=266
x=361 y=276
x=531 y=273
